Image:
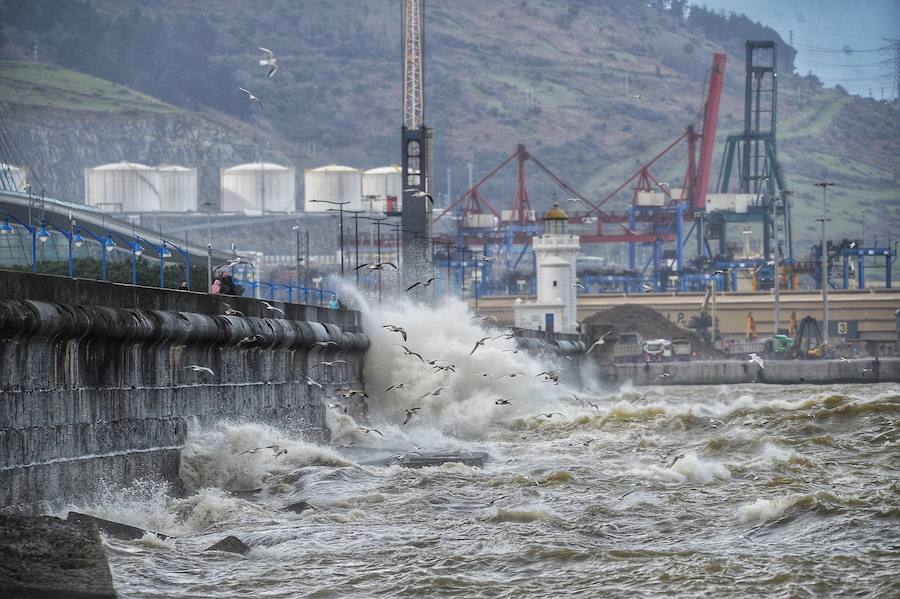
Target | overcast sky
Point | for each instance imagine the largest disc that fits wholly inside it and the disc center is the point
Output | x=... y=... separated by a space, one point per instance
x=835 y=39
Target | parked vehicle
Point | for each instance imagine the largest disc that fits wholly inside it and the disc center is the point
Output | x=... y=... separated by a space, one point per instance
x=681 y=350
x=657 y=350
x=628 y=348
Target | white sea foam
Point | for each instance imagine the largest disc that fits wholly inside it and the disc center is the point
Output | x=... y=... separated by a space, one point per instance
x=691 y=468
x=762 y=510
x=465 y=407
x=224 y=457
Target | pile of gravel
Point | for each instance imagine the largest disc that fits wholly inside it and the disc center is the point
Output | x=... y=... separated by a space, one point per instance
x=650 y=324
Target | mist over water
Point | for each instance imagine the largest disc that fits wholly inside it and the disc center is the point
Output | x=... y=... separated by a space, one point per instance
x=738 y=491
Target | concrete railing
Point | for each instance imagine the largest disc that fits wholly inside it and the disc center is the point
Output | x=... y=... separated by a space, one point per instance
x=95 y=380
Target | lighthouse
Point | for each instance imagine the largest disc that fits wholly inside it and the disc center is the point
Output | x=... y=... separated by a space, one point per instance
x=555 y=253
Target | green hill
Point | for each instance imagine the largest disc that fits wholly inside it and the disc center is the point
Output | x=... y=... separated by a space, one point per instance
x=38 y=85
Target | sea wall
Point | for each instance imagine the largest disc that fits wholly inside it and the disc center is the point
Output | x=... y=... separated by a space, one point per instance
x=95 y=384
x=783 y=372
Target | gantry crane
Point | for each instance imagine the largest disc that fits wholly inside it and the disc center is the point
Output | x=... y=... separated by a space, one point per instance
x=415 y=146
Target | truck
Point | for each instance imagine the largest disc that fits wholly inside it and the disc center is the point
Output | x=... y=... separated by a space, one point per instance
x=657 y=350
x=681 y=350
x=628 y=348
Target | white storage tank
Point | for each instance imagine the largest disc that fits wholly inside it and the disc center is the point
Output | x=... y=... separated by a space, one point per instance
x=177 y=188
x=383 y=182
x=122 y=187
x=332 y=183
x=259 y=187
x=12 y=178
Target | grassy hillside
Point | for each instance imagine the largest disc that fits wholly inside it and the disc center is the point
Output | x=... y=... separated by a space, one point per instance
x=594 y=88
x=37 y=85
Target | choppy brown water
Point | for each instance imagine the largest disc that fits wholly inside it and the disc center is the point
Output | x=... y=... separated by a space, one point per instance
x=782 y=492
x=775 y=492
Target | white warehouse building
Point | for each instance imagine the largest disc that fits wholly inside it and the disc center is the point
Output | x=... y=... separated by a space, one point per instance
x=259 y=187
x=122 y=187
x=326 y=186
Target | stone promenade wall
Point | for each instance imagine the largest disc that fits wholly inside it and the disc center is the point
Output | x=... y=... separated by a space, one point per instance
x=94 y=386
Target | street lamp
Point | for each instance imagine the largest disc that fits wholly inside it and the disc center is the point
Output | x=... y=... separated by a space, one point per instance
x=209 y=276
x=378 y=223
x=340 y=206
x=356 y=218
x=136 y=250
x=6 y=229
x=162 y=252
x=72 y=241
x=106 y=245
x=187 y=261
x=824 y=250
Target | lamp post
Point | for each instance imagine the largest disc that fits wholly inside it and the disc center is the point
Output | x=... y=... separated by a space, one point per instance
x=356 y=218
x=209 y=276
x=106 y=244
x=136 y=250
x=379 y=222
x=6 y=228
x=296 y=229
x=162 y=252
x=187 y=260
x=824 y=250
x=74 y=238
x=340 y=206
x=398 y=227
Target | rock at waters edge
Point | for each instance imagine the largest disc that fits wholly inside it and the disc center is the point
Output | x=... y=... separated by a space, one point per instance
x=44 y=557
x=231 y=544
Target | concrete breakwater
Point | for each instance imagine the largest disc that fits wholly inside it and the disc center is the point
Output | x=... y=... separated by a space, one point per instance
x=783 y=372
x=95 y=385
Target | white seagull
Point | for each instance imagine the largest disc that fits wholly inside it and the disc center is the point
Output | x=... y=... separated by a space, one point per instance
x=418 y=193
x=578 y=285
x=758 y=361
x=599 y=341
x=270 y=61
x=646 y=287
x=395 y=329
x=196 y=368
x=251 y=96
x=273 y=308
x=378 y=266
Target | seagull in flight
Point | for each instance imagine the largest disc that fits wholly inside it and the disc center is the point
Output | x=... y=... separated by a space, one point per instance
x=251 y=339
x=395 y=329
x=410 y=413
x=487 y=258
x=327 y=343
x=479 y=343
x=376 y=266
x=512 y=375
x=330 y=363
x=646 y=287
x=251 y=96
x=662 y=375
x=409 y=352
x=418 y=193
x=852 y=244
x=235 y=262
x=484 y=317
x=310 y=383
x=369 y=430
x=549 y=415
x=758 y=361
x=348 y=393
x=723 y=271
x=229 y=311
x=502 y=402
x=599 y=341
x=578 y=286
x=397 y=386
x=275 y=449
x=273 y=308
x=196 y=368
x=422 y=283
x=269 y=60
x=434 y=393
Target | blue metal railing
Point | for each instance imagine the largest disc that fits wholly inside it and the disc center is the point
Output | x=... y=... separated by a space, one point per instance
x=274 y=291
